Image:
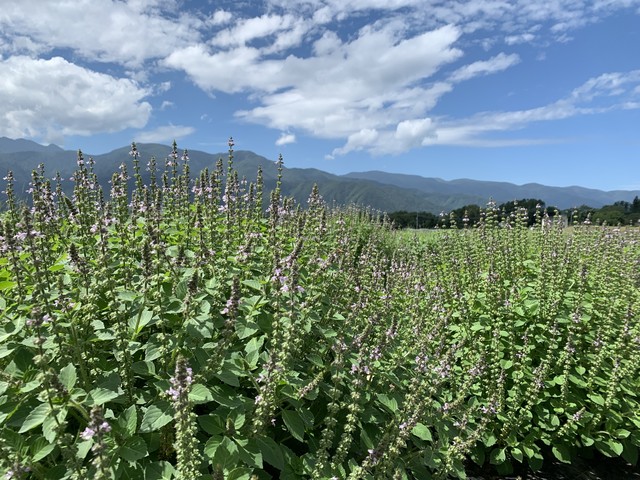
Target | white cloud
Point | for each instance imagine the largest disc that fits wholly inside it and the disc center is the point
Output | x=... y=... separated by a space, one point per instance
x=495 y=64
x=358 y=141
x=247 y=30
x=521 y=38
x=286 y=138
x=221 y=17
x=372 y=90
x=164 y=134
x=48 y=99
x=594 y=96
x=412 y=133
x=109 y=31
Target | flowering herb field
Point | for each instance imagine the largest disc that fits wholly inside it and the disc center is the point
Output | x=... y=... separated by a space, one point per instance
x=179 y=331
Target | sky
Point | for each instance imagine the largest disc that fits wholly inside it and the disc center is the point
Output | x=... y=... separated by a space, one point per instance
x=518 y=91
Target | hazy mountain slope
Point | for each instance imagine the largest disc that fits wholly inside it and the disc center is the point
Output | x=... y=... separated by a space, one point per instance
x=378 y=190
x=561 y=197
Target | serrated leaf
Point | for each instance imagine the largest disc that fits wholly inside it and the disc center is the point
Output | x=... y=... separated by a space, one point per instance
x=40 y=448
x=156 y=417
x=422 y=431
x=212 y=424
x=222 y=451
x=294 y=423
x=271 y=452
x=100 y=395
x=228 y=377
x=133 y=449
x=200 y=394
x=68 y=376
x=35 y=417
x=250 y=454
x=50 y=429
x=128 y=420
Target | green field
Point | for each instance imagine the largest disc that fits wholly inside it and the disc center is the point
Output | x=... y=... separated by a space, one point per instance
x=179 y=330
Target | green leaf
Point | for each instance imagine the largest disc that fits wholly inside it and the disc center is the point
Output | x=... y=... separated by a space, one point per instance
x=562 y=453
x=388 y=402
x=516 y=453
x=200 y=394
x=254 y=284
x=156 y=417
x=212 y=424
x=134 y=448
x=250 y=454
x=41 y=448
x=239 y=474
x=294 y=423
x=422 y=431
x=128 y=420
x=83 y=449
x=610 y=447
x=228 y=377
x=139 y=321
x=498 y=456
x=35 y=417
x=490 y=440
x=222 y=451
x=158 y=471
x=586 y=441
x=271 y=452
x=100 y=395
x=597 y=399
x=68 y=376
x=7 y=285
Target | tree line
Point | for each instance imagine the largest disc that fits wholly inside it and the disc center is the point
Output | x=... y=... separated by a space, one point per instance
x=620 y=213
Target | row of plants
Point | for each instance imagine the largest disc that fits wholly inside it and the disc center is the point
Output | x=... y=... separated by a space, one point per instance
x=178 y=329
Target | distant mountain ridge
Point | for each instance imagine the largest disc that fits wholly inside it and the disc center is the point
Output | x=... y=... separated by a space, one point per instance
x=561 y=197
x=378 y=190
x=8 y=145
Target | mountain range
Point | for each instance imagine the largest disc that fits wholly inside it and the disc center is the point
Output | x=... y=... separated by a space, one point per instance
x=378 y=190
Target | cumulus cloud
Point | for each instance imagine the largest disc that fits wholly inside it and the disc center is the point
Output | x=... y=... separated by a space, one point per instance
x=48 y=99
x=286 y=138
x=292 y=62
x=128 y=32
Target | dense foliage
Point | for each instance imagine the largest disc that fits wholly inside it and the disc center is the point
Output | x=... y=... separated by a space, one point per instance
x=178 y=331
x=618 y=214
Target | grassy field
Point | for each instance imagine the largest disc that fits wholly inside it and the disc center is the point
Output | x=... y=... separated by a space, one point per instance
x=178 y=330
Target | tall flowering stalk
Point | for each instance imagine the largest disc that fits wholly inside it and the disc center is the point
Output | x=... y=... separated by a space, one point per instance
x=96 y=431
x=186 y=446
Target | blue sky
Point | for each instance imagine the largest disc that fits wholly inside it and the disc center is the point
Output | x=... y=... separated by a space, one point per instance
x=519 y=91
